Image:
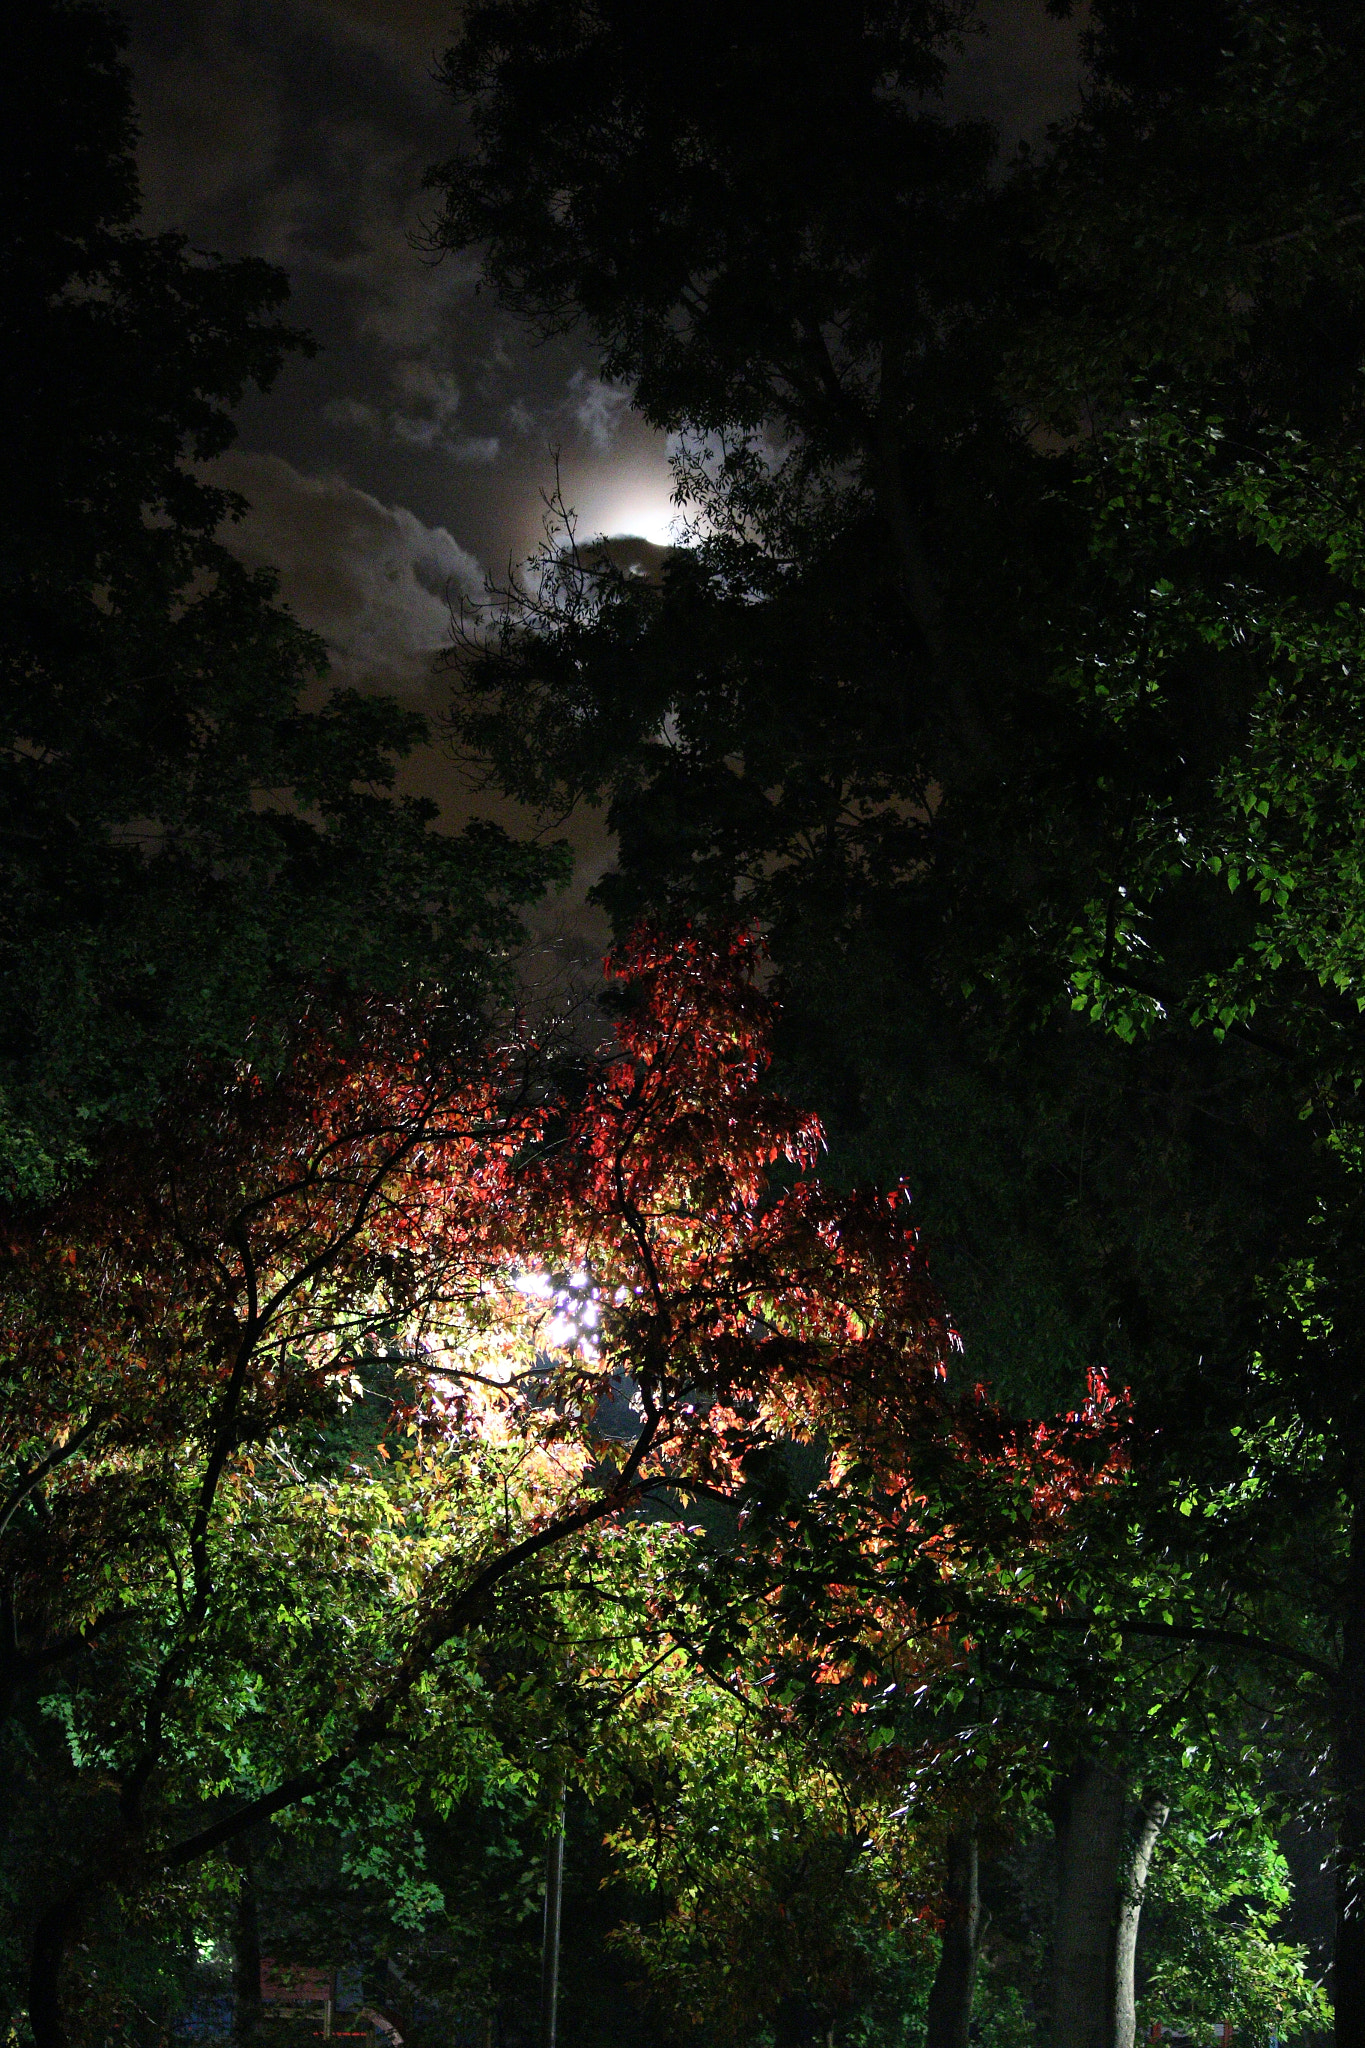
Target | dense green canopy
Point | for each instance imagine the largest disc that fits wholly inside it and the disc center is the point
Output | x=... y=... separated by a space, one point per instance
x=1020 y=618
x=1009 y=683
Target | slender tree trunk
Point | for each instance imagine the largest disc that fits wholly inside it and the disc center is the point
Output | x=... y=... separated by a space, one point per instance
x=1151 y=1819
x=246 y=1954
x=950 y=2001
x=51 y=1939
x=1348 y=1967
x=1092 y=1845
x=554 y=1895
x=10 y=1661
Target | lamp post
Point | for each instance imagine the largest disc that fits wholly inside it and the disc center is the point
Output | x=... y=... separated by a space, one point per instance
x=554 y=1895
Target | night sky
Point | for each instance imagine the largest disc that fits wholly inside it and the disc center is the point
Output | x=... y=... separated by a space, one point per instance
x=406 y=462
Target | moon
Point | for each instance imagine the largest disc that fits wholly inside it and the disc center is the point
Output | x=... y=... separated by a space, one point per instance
x=641 y=511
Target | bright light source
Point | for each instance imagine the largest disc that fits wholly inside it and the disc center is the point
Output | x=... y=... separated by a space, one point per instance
x=644 y=515
x=575 y=1317
x=539 y=1285
x=620 y=506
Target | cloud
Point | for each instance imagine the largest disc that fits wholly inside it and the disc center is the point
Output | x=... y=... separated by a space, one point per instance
x=210 y=115
x=598 y=408
x=1024 y=72
x=423 y=414
x=348 y=219
x=478 y=448
x=421 y=27
x=372 y=579
x=301 y=133
x=432 y=396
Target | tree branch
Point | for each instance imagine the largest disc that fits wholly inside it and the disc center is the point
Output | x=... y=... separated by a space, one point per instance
x=1343 y=220
x=1231 y=1638
x=50 y=1463
x=446 y=1623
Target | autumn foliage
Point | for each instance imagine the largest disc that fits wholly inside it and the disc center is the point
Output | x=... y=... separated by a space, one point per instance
x=526 y=1247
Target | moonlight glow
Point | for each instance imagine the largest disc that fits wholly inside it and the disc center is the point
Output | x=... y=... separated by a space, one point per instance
x=635 y=505
x=645 y=515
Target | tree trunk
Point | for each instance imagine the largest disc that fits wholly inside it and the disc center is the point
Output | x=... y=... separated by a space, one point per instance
x=1104 y=1854
x=1092 y=1846
x=50 y=1942
x=1348 y=1966
x=1151 y=1819
x=554 y=1898
x=246 y=1954
x=950 y=2002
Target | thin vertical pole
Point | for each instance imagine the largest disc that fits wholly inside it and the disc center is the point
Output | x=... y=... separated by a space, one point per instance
x=554 y=1896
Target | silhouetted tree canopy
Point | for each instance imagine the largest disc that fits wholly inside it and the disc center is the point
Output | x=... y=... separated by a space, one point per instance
x=194 y=826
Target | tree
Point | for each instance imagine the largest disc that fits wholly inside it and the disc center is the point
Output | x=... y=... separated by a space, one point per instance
x=183 y=1322
x=198 y=1515
x=845 y=703
x=1229 y=894
x=186 y=844
x=193 y=1305
x=832 y=339
x=1221 y=1957
x=776 y=1896
x=1202 y=214
x=1097 y=1661
x=765 y=725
